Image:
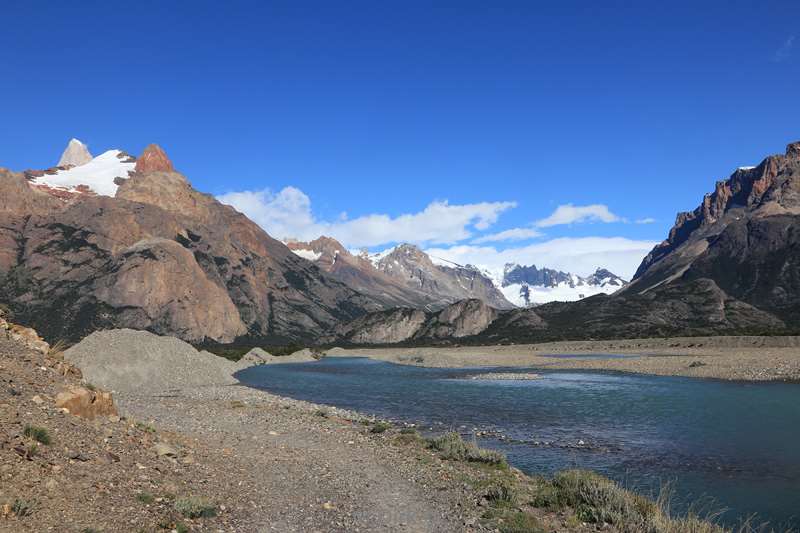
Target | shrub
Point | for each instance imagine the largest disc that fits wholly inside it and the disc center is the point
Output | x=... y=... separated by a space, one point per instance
x=501 y=495
x=36 y=433
x=380 y=427
x=322 y=413
x=195 y=507
x=145 y=497
x=22 y=507
x=452 y=446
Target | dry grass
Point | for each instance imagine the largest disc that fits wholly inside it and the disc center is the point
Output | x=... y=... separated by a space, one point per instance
x=451 y=446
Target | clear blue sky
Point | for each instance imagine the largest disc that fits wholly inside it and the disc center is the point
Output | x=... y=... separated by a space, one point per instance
x=384 y=107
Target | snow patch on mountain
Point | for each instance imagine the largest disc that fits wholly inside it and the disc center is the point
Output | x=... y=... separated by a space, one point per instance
x=96 y=176
x=311 y=255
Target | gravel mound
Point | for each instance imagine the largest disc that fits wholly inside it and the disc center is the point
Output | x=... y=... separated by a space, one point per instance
x=256 y=356
x=125 y=360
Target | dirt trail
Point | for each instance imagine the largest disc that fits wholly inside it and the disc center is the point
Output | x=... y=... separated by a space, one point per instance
x=301 y=470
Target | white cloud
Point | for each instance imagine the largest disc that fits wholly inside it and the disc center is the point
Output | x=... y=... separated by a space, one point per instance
x=579 y=255
x=288 y=214
x=513 y=234
x=647 y=220
x=571 y=214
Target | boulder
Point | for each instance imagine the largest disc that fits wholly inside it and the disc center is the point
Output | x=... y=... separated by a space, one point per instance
x=82 y=402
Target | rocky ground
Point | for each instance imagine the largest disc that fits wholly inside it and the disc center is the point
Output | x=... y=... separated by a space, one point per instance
x=255 y=461
x=731 y=358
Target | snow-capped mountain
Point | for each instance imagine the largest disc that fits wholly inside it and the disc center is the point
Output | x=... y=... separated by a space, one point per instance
x=402 y=276
x=78 y=173
x=525 y=286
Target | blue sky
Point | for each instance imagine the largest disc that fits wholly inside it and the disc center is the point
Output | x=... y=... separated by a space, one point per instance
x=440 y=122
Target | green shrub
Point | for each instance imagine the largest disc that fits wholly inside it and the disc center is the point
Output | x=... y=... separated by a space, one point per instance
x=36 y=433
x=22 y=507
x=502 y=495
x=195 y=507
x=452 y=446
x=380 y=427
x=145 y=497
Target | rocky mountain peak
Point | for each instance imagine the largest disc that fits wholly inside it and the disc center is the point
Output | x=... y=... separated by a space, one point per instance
x=153 y=159
x=793 y=150
x=75 y=154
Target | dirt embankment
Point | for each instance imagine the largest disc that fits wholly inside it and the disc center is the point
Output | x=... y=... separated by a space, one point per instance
x=730 y=358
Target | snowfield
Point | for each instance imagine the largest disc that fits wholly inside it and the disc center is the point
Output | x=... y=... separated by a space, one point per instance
x=98 y=174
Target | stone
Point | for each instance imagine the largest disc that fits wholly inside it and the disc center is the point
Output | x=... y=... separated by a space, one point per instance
x=85 y=403
x=163 y=449
x=37 y=400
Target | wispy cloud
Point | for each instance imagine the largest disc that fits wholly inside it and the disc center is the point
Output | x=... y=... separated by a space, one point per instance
x=288 y=214
x=513 y=234
x=785 y=50
x=573 y=214
x=647 y=220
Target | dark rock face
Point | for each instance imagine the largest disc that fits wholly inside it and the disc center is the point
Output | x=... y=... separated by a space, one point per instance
x=159 y=256
x=530 y=275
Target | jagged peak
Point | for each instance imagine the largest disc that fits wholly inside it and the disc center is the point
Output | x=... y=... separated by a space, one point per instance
x=75 y=154
x=793 y=150
x=153 y=159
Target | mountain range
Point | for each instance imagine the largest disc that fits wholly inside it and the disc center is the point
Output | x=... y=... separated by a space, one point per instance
x=525 y=286
x=730 y=266
x=120 y=241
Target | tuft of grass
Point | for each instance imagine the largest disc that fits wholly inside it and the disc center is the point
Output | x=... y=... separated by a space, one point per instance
x=452 y=446
x=90 y=386
x=56 y=351
x=145 y=427
x=380 y=427
x=321 y=413
x=145 y=497
x=597 y=499
x=409 y=436
x=39 y=434
x=502 y=495
x=22 y=508
x=31 y=450
x=195 y=507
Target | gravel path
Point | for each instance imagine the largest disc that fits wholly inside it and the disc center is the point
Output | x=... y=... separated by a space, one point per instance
x=304 y=468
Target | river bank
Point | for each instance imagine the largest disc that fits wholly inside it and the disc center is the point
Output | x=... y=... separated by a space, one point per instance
x=728 y=358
